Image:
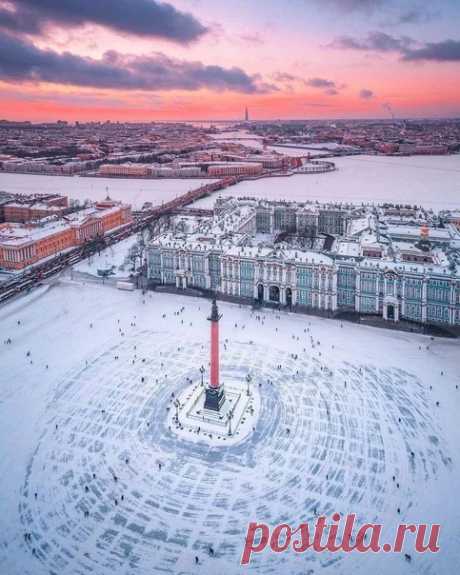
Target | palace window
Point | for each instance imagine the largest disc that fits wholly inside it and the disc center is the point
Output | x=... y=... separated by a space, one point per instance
x=413 y=289
x=304 y=277
x=246 y=270
x=437 y=313
x=438 y=291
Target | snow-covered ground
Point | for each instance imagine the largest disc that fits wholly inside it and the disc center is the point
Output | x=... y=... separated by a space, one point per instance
x=130 y=190
x=114 y=257
x=431 y=181
x=89 y=468
x=234 y=421
x=295 y=151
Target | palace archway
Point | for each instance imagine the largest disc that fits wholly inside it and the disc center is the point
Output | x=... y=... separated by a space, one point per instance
x=391 y=308
x=260 y=293
x=274 y=293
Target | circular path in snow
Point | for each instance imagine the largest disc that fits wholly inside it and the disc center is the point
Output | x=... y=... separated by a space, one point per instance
x=118 y=492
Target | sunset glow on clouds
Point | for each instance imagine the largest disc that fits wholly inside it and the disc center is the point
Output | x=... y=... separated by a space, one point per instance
x=143 y=60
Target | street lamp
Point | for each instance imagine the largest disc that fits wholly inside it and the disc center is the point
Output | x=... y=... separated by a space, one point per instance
x=248 y=381
x=229 y=418
x=176 y=405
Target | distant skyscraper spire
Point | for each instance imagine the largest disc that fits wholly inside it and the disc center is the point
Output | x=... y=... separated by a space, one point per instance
x=246 y=114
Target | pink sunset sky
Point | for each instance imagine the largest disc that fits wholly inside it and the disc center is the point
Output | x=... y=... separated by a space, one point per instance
x=142 y=60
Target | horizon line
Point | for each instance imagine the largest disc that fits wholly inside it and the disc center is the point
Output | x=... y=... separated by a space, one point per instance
x=236 y=120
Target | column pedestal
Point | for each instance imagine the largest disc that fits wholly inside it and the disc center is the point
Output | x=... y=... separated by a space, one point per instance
x=214 y=398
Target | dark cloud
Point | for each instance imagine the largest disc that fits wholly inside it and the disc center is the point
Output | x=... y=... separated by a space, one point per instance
x=328 y=86
x=138 y=17
x=376 y=41
x=446 y=51
x=393 y=12
x=414 y=16
x=366 y=94
x=285 y=77
x=19 y=20
x=22 y=61
x=320 y=83
x=355 y=5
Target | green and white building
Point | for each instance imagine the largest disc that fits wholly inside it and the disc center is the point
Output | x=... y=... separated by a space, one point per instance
x=235 y=254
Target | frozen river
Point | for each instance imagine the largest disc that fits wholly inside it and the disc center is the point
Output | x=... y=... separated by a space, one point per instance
x=132 y=191
x=432 y=181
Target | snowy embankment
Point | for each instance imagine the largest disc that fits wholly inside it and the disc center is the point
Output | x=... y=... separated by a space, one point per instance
x=430 y=181
x=23 y=300
x=93 y=481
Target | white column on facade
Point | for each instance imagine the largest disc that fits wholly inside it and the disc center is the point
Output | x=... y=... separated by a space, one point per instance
x=259 y=273
x=357 y=290
x=452 y=303
x=334 y=290
x=266 y=292
x=161 y=268
x=403 y=296
x=327 y=290
x=424 y=298
x=377 y=285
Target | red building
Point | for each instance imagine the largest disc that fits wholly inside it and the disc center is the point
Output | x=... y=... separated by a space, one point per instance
x=23 y=245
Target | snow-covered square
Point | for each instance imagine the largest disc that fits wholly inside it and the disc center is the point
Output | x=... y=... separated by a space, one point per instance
x=95 y=477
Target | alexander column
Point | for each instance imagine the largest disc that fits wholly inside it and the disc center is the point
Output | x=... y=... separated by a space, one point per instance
x=215 y=394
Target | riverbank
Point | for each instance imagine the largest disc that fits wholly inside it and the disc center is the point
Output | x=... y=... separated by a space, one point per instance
x=432 y=181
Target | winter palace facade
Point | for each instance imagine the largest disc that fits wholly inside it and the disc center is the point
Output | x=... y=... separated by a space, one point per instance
x=367 y=273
